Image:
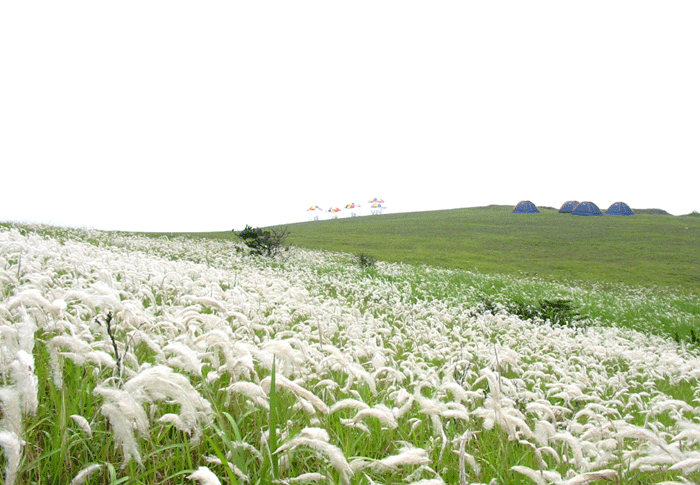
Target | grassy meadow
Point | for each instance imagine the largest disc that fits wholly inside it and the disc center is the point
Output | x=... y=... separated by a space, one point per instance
x=641 y=250
x=133 y=359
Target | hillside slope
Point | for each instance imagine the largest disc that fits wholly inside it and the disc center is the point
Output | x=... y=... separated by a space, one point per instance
x=643 y=250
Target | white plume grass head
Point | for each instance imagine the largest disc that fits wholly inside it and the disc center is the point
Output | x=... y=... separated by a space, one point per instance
x=183 y=357
x=286 y=357
x=252 y=391
x=544 y=430
x=428 y=481
x=161 y=383
x=33 y=300
x=314 y=433
x=83 y=423
x=123 y=433
x=348 y=403
x=85 y=474
x=25 y=331
x=312 y=477
x=126 y=415
x=535 y=475
x=204 y=476
x=175 y=420
x=297 y=390
x=27 y=383
x=317 y=439
x=379 y=412
x=8 y=349
x=408 y=455
x=574 y=445
x=590 y=477
x=237 y=471
x=66 y=346
x=101 y=358
x=688 y=465
x=12 y=446
x=11 y=410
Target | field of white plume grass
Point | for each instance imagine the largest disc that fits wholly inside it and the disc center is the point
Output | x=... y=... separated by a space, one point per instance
x=126 y=359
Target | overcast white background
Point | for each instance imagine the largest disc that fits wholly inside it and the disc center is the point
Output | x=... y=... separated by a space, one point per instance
x=198 y=116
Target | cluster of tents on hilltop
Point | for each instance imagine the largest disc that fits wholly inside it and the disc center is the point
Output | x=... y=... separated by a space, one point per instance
x=586 y=208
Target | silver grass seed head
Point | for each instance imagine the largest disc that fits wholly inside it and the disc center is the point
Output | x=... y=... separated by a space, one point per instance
x=12 y=447
x=408 y=455
x=204 y=476
x=83 y=423
x=122 y=428
x=312 y=477
x=85 y=474
x=11 y=410
x=22 y=371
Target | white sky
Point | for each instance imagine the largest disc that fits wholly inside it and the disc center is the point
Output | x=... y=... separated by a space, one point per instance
x=196 y=116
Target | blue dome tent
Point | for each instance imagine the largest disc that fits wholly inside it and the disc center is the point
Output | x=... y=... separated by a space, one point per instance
x=525 y=207
x=619 y=209
x=586 y=208
x=568 y=206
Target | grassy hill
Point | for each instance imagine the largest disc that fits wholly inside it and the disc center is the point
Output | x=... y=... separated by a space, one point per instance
x=651 y=248
x=643 y=250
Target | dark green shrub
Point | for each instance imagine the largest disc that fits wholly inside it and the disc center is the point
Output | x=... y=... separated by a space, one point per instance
x=558 y=311
x=524 y=310
x=366 y=261
x=264 y=242
x=692 y=338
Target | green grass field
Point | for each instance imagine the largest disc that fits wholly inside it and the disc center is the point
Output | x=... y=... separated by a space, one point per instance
x=642 y=250
x=648 y=249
